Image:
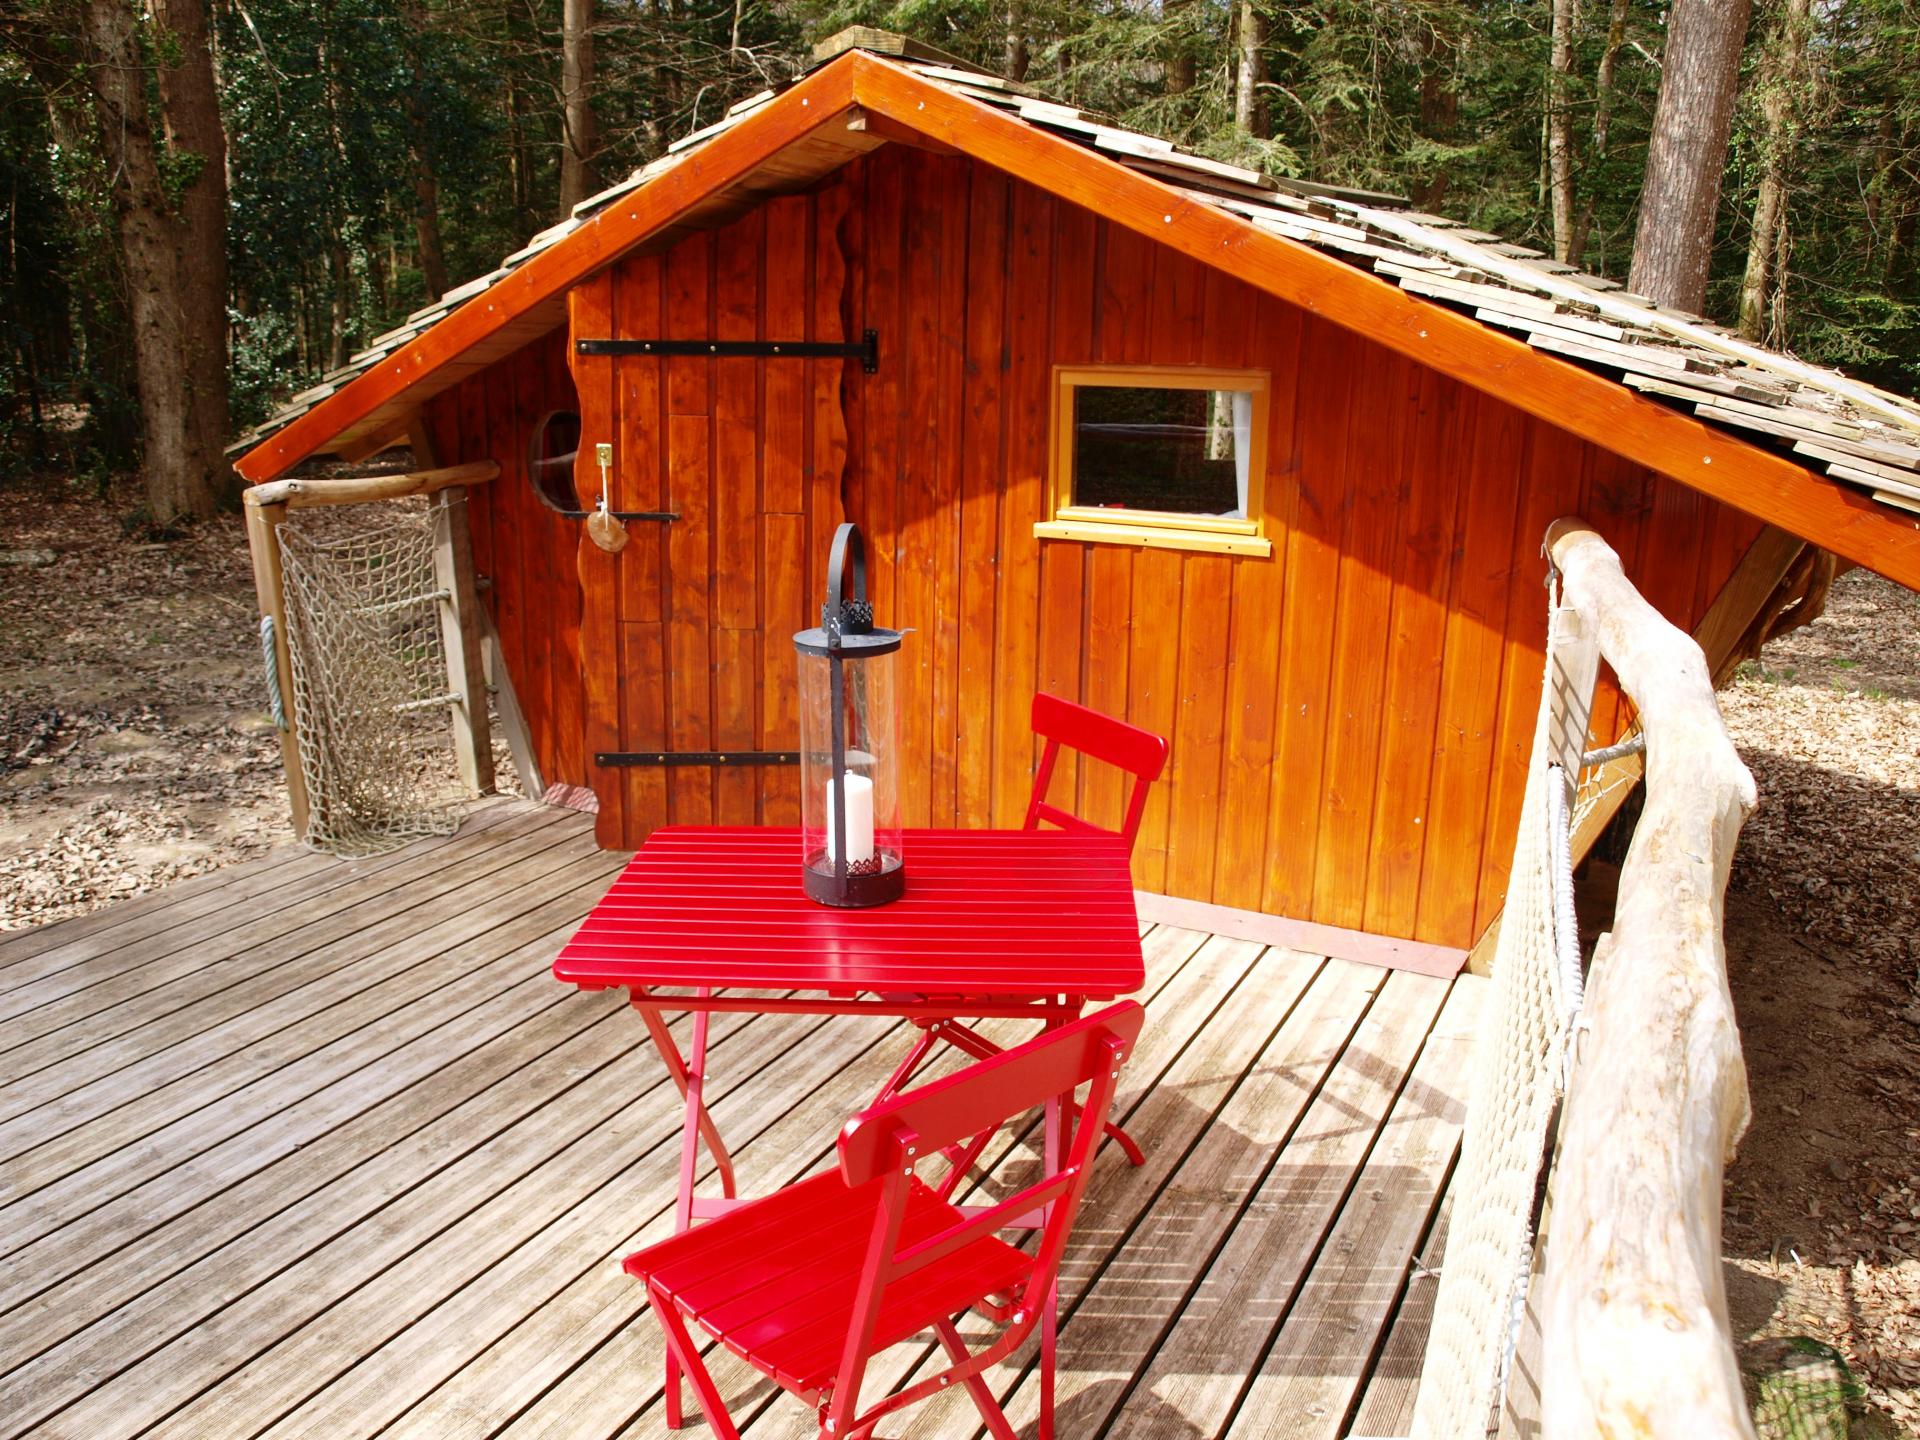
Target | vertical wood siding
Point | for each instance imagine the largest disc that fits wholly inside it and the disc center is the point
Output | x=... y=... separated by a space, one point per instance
x=1349 y=717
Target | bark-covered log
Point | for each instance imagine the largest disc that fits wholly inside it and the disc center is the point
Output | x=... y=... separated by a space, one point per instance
x=168 y=180
x=1687 y=152
x=1637 y=1341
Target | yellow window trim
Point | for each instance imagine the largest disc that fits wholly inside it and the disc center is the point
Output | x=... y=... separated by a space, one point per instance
x=1158 y=529
x=1153 y=537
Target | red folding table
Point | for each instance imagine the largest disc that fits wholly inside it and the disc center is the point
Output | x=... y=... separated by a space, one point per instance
x=1025 y=924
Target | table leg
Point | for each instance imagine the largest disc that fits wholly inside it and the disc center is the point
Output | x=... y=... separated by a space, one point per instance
x=1055 y=1162
x=663 y=1041
x=690 y=1075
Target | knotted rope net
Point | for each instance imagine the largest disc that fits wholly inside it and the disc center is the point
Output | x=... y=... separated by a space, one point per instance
x=370 y=689
x=1519 y=1074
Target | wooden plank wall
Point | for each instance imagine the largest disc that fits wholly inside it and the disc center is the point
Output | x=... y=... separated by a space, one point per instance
x=1349 y=717
x=1332 y=708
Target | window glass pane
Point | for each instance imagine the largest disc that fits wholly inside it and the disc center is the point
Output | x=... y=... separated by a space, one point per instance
x=550 y=459
x=1143 y=448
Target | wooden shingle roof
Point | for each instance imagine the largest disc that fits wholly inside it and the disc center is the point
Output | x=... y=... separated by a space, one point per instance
x=1860 y=440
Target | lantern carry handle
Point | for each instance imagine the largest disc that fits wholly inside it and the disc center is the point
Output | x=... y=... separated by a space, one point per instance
x=841 y=615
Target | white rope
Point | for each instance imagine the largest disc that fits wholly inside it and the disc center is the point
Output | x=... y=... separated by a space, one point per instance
x=369 y=667
x=1519 y=1074
x=1566 y=920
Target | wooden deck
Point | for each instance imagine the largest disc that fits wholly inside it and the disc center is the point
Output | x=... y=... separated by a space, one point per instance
x=314 y=1148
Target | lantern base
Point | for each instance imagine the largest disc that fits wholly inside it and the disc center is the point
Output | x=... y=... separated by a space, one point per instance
x=874 y=884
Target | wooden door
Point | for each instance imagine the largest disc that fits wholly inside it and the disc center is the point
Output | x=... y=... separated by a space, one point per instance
x=686 y=634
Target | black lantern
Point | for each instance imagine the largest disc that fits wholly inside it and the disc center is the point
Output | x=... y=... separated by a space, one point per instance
x=849 y=807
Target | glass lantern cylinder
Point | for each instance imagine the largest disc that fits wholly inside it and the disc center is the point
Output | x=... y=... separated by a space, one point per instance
x=851 y=852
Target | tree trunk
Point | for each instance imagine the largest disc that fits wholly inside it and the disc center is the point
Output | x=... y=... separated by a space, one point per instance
x=1439 y=109
x=1182 y=69
x=170 y=209
x=1017 y=54
x=1781 y=81
x=431 y=250
x=576 y=90
x=1566 y=19
x=340 y=287
x=1687 y=153
x=1603 y=97
x=1249 y=94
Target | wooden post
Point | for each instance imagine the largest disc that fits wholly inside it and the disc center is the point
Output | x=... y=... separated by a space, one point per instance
x=1635 y=1328
x=263 y=540
x=460 y=628
x=460 y=631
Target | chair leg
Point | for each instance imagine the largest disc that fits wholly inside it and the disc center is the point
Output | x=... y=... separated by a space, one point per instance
x=977 y=1388
x=682 y=1355
x=1049 y=1323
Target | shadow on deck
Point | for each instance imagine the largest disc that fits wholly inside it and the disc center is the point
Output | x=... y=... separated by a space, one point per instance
x=311 y=1147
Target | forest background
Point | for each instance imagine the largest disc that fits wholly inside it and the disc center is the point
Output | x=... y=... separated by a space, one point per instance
x=207 y=204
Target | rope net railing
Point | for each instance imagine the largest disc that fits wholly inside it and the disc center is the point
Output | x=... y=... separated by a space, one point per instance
x=1519 y=1070
x=370 y=686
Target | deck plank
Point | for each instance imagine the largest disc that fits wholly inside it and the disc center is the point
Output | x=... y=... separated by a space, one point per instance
x=360 y=1168
x=281 y=1051
x=1114 y=1329
x=1194 y=1379
x=112 y=993
x=106 y=945
x=1318 y=1361
x=436 y=1036
x=1386 y=1406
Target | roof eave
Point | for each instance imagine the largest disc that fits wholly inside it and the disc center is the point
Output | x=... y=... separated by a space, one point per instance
x=1603 y=411
x=1595 y=408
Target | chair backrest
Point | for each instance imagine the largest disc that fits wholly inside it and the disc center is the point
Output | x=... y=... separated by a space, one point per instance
x=881 y=1143
x=1141 y=753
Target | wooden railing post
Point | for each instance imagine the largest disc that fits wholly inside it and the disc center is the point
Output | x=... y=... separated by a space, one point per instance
x=263 y=541
x=460 y=631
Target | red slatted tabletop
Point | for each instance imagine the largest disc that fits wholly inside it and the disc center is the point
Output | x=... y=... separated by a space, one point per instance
x=1025 y=923
x=1019 y=914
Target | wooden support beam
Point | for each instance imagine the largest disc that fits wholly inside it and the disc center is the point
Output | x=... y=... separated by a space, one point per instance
x=362 y=489
x=263 y=541
x=1305 y=936
x=460 y=623
x=460 y=633
x=1636 y=1338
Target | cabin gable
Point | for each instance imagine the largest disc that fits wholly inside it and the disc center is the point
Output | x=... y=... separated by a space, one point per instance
x=1349 y=715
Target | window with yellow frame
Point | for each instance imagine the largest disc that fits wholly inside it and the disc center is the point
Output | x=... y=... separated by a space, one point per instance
x=1162 y=455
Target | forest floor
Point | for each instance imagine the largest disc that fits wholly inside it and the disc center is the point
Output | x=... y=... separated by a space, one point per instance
x=1823 y=947
x=136 y=750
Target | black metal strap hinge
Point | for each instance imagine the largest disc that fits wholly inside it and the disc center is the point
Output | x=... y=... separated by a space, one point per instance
x=615 y=758
x=866 y=349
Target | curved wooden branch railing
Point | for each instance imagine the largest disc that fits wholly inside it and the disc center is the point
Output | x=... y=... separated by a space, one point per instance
x=1636 y=1340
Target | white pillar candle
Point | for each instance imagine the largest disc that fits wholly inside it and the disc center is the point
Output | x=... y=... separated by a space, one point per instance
x=859 y=792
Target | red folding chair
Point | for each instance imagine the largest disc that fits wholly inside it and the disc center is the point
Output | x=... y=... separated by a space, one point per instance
x=1141 y=754
x=809 y=1284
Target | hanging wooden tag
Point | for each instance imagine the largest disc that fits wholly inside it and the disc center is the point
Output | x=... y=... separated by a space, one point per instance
x=608 y=533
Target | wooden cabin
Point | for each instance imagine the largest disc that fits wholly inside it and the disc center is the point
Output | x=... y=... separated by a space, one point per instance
x=932 y=302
